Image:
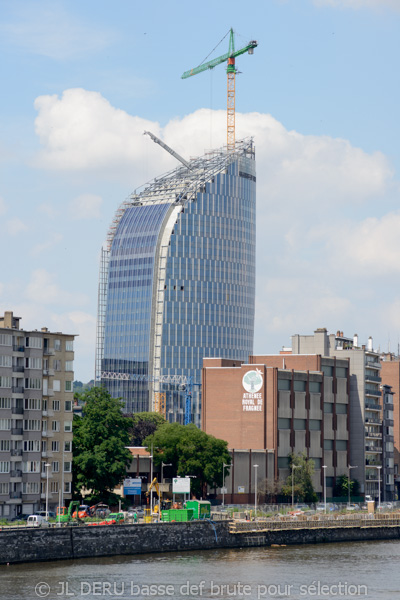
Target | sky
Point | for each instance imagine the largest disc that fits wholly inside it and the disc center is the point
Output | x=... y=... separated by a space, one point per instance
x=81 y=81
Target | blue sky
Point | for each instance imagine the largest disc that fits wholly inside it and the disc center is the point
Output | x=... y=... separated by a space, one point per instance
x=320 y=95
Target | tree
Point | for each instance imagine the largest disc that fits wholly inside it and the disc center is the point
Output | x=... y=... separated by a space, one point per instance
x=191 y=452
x=143 y=425
x=99 y=444
x=342 y=486
x=302 y=478
x=269 y=489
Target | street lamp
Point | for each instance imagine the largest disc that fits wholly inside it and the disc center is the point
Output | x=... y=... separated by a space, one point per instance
x=255 y=492
x=324 y=468
x=293 y=468
x=348 y=480
x=379 y=486
x=47 y=465
x=223 y=483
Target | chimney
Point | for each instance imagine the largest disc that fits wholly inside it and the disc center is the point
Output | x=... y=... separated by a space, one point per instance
x=355 y=340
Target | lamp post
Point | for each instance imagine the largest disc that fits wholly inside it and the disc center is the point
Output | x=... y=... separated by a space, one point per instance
x=223 y=483
x=324 y=468
x=379 y=486
x=293 y=468
x=255 y=492
x=348 y=480
x=47 y=465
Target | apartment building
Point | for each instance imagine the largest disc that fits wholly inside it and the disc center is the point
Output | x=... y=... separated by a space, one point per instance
x=274 y=406
x=36 y=410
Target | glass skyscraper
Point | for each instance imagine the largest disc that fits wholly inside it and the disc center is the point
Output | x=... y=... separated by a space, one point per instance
x=177 y=282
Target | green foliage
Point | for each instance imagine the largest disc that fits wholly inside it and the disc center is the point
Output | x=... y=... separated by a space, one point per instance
x=191 y=452
x=99 y=444
x=302 y=479
x=143 y=425
x=342 y=486
x=80 y=387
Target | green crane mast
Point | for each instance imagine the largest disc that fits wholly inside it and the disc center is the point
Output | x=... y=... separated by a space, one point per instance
x=231 y=73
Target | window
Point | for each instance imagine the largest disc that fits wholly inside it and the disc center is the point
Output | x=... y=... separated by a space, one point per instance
x=56 y=385
x=55 y=467
x=4 y=488
x=5 y=360
x=44 y=445
x=69 y=365
x=55 y=426
x=30 y=487
x=68 y=426
x=31 y=445
x=44 y=426
x=4 y=445
x=328 y=444
x=317 y=462
x=299 y=385
x=32 y=424
x=68 y=386
x=67 y=467
x=54 y=487
x=5 y=402
x=283 y=423
x=299 y=424
x=328 y=407
x=341 y=444
x=314 y=425
x=57 y=365
x=315 y=387
x=283 y=462
x=33 y=363
x=341 y=409
x=67 y=487
x=68 y=405
x=327 y=370
x=5 y=339
x=69 y=345
x=330 y=481
x=67 y=446
x=4 y=466
x=57 y=345
x=284 y=384
x=33 y=342
x=5 y=382
x=341 y=372
x=32 y=404
x=31 y=466
x=5 y=424
x=55 y=446
x=56 y=405
x=33 y=383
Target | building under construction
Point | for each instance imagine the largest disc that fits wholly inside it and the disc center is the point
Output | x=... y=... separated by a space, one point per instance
x=177 y=283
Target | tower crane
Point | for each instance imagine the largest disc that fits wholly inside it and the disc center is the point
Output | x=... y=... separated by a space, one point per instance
x=229 y=57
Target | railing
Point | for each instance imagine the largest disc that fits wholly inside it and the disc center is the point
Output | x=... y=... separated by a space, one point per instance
x=17 y=389
x=17 y=431
x=369 y=434
x=18 y=369
x=373 y=449
x=14 y=452
x=15 y=495
x=373 y=420
x=49 y=351
x=17 y=410
x=371 y=406
x=16 y=473
x=17 y=348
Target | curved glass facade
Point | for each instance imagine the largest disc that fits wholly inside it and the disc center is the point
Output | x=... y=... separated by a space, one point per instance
x=180 y=284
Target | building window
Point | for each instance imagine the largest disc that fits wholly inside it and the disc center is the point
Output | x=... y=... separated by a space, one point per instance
x=67 y=487
x=341 y=445
x=284 y=384
x=5 y=402
x=56 y=405
x=341 y=409
x=67 y=426
x=68 y=446
x=314 y=425
x=4 y=466
x=33 y=342
x=33 y=363
x=55 y=466
x=283 y=423
x=57 y=365
x=4 y=488
x=30 y=487
x=5 y=360
x=327 y=370
x=328 y=407
x=32 y=404
x=32 y=424
x=67 y=467
x=283 y=462
x=5 y=424
x=5 y=382
x=68 y=386
x=299 y=424
x=69 y=345
x=4 y=445
x=31 y=466
x=31 y=445
x=299 y=385
x=317 y=462
x=33 y=383
x=341 y=372
x=69 y=365
x=55 y=446
x=315 y=387
x=68 y=405
x=56 y=385
x=54 y=487
x=5 y=339
x=57 y=345
x=55 y=426
x=328 y=444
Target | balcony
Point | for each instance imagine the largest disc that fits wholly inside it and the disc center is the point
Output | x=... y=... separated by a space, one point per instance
x=370 y=434
x=16 y=473
x=15 y=495
x=48 y=392
x=49 y=351
x=17 y=389
x=14 y=452
x=17 y=410
x=371 y=406
x=48 y=372
x=47 y=454
x=375 y=449
x=18 y=369
x=372 y=462
x=373 y=378
x=47 y=434
x=373 y=421
x=17 y=431
x=374 y=393
x=17 y=348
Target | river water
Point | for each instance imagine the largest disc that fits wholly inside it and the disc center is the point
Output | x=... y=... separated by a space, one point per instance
x=352 y=570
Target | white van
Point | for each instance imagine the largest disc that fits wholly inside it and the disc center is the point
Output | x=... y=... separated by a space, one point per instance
x=37 y=521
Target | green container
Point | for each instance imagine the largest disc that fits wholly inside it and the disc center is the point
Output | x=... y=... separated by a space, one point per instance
x=201 y=508
x=181 y=515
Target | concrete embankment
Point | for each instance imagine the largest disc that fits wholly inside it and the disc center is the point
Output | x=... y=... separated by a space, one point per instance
x=33 y=545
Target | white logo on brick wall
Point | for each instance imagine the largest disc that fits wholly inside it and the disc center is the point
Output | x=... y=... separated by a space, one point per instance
x=252 y=381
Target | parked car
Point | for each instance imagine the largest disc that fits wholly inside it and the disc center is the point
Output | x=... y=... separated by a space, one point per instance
x=37 y=521
x=19 y=518
x=42 y=513
x=352 y=507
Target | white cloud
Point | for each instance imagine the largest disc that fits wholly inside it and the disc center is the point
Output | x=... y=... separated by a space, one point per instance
x=45 y=28
x=52 y=239
x=42 y=289
x=16 y=226
x=86 y=206
x=359 y=4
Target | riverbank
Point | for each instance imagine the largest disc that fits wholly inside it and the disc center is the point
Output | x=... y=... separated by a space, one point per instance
x=34 y=545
